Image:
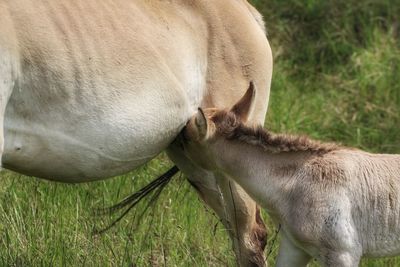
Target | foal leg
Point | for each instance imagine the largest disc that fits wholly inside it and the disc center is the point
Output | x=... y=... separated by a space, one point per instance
x=339 y=244
x=238 y=212
x=290 y=255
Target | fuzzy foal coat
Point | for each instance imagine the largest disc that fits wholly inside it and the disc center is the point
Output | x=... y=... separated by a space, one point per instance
x=335 y=204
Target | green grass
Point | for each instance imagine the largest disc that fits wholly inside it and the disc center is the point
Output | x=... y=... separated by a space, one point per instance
x=336 y=77
x=51 y=224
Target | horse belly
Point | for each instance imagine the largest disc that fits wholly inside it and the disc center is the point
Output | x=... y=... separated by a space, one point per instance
x=97 y=127
x=88 y=144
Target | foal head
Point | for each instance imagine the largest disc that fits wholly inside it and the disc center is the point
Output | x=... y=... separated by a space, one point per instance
x=209 y=128
x=208 y=132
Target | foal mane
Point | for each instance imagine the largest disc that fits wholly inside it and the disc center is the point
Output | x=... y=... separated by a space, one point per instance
x=229 y=126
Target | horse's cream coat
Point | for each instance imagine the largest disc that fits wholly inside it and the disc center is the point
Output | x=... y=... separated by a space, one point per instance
x=93 y=89
x=335 y=204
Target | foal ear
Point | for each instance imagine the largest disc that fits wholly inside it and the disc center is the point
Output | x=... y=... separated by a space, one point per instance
x=245 y=106
x=201 y=124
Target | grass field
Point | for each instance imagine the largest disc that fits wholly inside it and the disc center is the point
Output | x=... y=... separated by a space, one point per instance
x=336 y=77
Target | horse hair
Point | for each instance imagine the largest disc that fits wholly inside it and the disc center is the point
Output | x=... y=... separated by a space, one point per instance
x=131 y=201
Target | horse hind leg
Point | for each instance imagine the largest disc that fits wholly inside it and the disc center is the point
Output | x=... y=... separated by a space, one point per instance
x=237 y=211
x=247 y=230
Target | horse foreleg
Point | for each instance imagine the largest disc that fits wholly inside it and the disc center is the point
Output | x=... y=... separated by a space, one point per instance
x=238 y=212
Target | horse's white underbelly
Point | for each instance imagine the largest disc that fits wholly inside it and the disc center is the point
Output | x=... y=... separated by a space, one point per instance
x=93 y=142
x=83 y=148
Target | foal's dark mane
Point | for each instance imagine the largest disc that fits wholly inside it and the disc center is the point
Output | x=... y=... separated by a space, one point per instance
x=230 y=127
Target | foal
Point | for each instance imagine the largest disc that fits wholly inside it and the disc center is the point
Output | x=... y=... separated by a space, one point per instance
x=334 y=204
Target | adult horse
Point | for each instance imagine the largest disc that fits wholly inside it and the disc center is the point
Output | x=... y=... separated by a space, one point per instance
x=92 y=89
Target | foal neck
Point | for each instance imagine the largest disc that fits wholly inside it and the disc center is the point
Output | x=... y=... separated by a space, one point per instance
x=266 y=177
x=263 y=163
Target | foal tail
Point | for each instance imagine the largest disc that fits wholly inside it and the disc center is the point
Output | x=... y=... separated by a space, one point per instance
x=131 y=201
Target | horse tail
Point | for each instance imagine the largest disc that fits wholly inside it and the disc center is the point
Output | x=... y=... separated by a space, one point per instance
x=131 y=201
